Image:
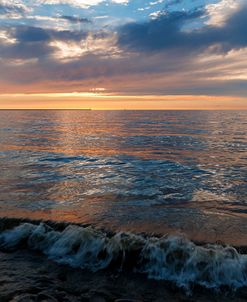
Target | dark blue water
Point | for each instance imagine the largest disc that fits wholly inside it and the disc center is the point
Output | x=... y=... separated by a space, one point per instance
x=150 y=171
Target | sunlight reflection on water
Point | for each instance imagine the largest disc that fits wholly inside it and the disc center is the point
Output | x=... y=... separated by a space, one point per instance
x=151 y=171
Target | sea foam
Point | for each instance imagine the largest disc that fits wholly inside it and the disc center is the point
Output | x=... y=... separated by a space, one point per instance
x=170 y=258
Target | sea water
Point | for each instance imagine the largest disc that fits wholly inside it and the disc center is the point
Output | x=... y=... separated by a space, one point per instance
x=161 y=179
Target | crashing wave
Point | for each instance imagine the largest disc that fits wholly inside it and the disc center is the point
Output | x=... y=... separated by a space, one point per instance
x=170 y=258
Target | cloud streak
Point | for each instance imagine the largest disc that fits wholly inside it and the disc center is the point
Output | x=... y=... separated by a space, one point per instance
x=74 y=19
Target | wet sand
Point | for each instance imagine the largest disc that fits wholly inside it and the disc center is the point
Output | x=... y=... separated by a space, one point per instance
x=30 y=277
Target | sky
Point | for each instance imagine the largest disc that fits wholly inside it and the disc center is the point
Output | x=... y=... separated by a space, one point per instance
x=123 y=54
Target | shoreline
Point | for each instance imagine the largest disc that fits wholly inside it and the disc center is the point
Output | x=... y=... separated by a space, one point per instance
x=85 y=264
x=30 y=276
x=7 y=223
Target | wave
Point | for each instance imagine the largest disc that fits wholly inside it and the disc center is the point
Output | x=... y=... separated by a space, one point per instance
x=171 y=258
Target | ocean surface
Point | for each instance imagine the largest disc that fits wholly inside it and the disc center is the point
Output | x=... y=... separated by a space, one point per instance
x=155 y=172
x=162 y=192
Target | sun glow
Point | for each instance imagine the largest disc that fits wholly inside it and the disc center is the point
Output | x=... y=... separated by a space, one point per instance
x=98 y=99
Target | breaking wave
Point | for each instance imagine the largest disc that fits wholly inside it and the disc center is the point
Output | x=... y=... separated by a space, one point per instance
x=171 y=258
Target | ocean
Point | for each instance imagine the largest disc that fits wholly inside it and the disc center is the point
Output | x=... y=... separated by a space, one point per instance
x=167 y=188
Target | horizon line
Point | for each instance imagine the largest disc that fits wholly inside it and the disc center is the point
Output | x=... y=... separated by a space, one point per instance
x=103 y=101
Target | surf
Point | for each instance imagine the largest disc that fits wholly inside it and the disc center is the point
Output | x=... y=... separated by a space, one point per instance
x=170 y=258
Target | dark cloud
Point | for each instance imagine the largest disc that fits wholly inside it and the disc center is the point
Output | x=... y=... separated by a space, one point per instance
x=174 y=2
x=34 y=42
x=73 y=19
x=25 y=50
x=31 y=34
x=163 y=32
x=38 y=34
x=30 y=42
x=235 y=29
x=170 y=3
x=166 y=32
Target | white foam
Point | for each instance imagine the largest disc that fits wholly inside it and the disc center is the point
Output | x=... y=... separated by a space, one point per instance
x=168 y=258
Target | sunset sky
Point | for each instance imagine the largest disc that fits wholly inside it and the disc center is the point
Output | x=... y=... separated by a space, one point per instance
x=123 y=54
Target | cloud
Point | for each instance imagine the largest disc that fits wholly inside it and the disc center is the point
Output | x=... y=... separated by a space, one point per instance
x=161 y=56
x=27 y=42
x=79 y=3
x=171 y=3
x=160 y=73
x=26 y=34
x=13 y=8
x=25 y=51
x=74 y=19
x=218 y=13
x=101 y=45
x=160 y=33
x=166 y=32
x=30 y=34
